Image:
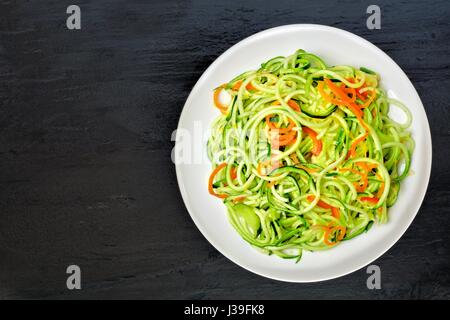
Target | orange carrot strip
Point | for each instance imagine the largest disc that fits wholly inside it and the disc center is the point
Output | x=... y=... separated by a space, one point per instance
x=328 y=233
x=317 y=148
x=233 y=173
x=279 y=130
x=370 y=100
x=372 y=200
x=326 y=238
x=239 y=199
x=335 y=212
x=344 y=98
x=219 y=105
x=364 y=179
x=320 y=204
x=380 y=190
x=352 y=152
x=342 y=231
x=326 y=96
x=211 y=181
x=294 y=105
x=238 y=85
x=250 y=86
x=283 y=140
x=355 y=109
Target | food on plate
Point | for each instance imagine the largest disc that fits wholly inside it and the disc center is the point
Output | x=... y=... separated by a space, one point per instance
x=305 y=155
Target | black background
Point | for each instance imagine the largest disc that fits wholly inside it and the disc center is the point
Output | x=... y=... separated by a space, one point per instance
x=85 y=124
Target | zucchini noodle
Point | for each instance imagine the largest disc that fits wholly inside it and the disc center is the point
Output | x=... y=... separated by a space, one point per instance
x=305 y=155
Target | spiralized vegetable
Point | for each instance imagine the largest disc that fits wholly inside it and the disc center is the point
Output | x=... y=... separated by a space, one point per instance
x=305 y=155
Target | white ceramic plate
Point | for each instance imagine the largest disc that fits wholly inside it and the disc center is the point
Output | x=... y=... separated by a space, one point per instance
x=335 y=46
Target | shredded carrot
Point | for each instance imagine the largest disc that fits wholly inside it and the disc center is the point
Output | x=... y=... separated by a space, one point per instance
x=342 y=231
x=380 y=190
x=362 y=185
x=349 y=91
x=362 y=96
x=294 y=105
x=239 y=199
x=269 y=122
x=335 y=212
x=211 y=181
x=350 y=103
x=367 y=167
x=250 y=86
x=283 y=140
x=290 y=143
x=352 y=152
x=284 y=135
x=279 y=130
x=219 y=105
x=233 y=173
x=317 y=148
x=237 y=85
x=326 y=96
x=344 y=99
x=338 y=92
x=329 y=232
x=372 y=200
x=369 y=100
x=374 y=112
x=320 y=204
x=281 y=136
x=326 y=237
x=286 y=142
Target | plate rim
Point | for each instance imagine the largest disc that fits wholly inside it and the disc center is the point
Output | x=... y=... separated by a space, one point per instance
x=184 y=192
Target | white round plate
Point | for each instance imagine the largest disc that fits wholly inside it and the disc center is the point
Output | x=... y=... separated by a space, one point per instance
x=335 y=46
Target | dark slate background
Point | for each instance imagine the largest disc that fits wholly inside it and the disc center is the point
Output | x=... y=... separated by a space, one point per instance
x=85 y=124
